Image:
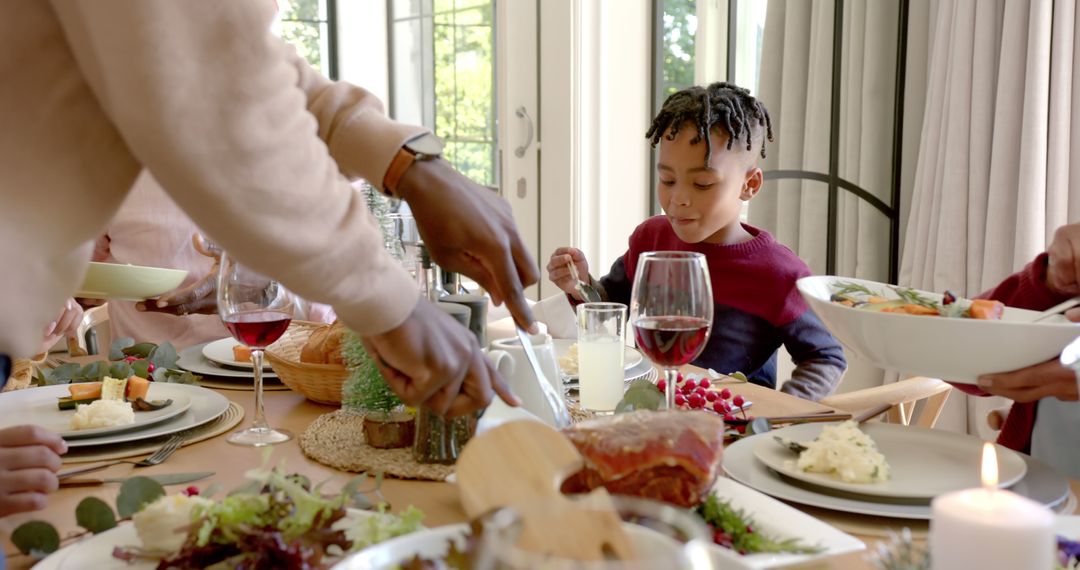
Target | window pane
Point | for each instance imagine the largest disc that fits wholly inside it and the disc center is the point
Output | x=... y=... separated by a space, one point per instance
x=406 y=8
x=409 y=70
x=680 y=27
x=300 y=9
x=308 y=41
x=475 y=160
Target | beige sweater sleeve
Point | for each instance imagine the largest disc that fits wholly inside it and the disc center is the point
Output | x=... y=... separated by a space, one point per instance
x=214 y=106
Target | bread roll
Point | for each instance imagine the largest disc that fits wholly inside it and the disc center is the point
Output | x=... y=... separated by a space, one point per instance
x=324 y=345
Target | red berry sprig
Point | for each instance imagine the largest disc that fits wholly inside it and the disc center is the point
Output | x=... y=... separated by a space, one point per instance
x=697 y=394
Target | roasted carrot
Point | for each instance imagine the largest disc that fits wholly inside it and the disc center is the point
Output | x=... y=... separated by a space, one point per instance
x=986 y=309
x=137 y=388
x=912 y=310
x=85 y=390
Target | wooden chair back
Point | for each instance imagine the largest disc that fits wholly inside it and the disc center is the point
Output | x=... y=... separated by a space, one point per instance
x=903 y=396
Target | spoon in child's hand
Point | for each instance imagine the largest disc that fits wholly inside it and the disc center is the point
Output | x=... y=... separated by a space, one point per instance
x=588 y=292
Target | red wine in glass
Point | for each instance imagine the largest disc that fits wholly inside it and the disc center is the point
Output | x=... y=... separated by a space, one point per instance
x=257 y=311
x=671 y=341
x=257 y=329
x=671 y=308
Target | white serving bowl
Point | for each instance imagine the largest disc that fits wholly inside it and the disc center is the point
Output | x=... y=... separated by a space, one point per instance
x=953 y=349
x=128 y=282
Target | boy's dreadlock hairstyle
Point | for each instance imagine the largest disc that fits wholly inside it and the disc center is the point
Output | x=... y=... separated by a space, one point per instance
x=720 y=104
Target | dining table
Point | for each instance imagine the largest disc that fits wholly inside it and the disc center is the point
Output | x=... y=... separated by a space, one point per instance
x=438 y=500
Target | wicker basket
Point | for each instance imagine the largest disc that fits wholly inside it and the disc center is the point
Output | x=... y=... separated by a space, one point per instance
x=317 y=382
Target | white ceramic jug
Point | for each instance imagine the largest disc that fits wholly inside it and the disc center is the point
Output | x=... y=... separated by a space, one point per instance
x=546 y=402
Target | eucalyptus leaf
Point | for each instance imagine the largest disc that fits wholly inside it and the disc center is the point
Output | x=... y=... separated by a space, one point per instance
x=140 y=350
x=164 y=356
x=211 y=490
x=136 y=493
x=141 y=368
x=95 y=515
x=251 y=488
x=187 y=377
x=95 y=371
x=64 y=373
x=120 y=370
x=739 y=376
x=36 y=538
x=160 y=375
x=116 y=351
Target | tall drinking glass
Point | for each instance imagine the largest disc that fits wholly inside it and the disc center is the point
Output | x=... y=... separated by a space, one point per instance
x=671 y=308
x=601 y=338
x=257 y=311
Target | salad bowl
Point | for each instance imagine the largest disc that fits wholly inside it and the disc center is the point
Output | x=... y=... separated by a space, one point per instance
x=955 y=349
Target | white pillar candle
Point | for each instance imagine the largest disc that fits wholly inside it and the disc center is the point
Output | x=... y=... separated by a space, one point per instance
x=990 y=528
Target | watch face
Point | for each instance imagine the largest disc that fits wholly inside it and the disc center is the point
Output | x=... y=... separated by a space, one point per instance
x=427 y=143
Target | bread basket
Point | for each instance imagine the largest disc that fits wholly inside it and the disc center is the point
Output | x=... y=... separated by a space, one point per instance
x=317 y=382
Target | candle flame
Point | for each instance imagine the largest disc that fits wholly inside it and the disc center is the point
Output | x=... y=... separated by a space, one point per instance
x=989 y=466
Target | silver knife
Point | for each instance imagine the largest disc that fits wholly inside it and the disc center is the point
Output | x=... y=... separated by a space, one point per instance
x=166 y=479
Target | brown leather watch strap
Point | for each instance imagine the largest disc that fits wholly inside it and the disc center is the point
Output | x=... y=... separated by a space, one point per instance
x=402 y=161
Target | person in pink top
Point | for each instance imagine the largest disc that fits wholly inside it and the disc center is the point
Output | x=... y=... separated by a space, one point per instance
x=151 y=230
x=1045 y=413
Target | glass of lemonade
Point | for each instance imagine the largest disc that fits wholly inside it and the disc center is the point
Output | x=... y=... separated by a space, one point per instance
x=601 y=342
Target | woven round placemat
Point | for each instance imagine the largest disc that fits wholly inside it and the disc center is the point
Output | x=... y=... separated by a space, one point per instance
x=213 y=428
x=337 y=439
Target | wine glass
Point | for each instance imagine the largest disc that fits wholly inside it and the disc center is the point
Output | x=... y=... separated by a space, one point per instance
x=671 y=308
x=257 y=311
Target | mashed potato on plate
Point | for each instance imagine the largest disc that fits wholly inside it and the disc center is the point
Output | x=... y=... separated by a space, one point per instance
x=846 y=452
x=103 y=413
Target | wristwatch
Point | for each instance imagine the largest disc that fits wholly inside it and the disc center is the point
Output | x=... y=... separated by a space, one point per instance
x=423 y=147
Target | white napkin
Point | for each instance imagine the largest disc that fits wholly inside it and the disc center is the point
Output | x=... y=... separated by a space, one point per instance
x=559 y=316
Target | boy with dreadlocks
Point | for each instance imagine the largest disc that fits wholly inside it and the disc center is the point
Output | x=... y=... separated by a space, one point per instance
x=709 y=139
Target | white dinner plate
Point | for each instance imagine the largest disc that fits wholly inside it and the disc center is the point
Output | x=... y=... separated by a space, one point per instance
x=924 y=463
x=128 y=282
x=192 y=359
x=1041 y=484
x=1067 y=526
x=780 y=521
x=206 y=405
x=631 y=357
x=38 y=406
x=221 y=352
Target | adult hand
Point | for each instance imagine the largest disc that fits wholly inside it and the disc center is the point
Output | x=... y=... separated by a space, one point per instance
x=432 y=361
x=199 y=297
x=1063 y=268
x=558 y=269
x=1035 y=382
x=470 y=230
x=65 y=324
x=29 y=460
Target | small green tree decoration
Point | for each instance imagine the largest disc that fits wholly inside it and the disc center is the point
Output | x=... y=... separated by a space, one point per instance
x=365 y=390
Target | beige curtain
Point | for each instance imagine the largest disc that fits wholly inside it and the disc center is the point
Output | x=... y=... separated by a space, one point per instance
x=795 y=84
x=993 y=179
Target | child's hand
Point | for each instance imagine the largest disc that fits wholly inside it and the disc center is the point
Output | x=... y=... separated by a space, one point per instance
x=29 y=460
x=66 y=324
x=559 y=270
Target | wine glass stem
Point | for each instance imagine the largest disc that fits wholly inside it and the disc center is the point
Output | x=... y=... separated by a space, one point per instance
x=260 y=416
x=671 y=375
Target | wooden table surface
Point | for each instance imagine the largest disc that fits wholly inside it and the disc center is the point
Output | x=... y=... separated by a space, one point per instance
x=290 y=410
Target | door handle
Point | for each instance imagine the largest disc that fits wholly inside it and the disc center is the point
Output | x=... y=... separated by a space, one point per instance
x=523 y=114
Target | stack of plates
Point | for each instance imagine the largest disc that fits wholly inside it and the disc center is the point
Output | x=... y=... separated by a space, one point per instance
x=216 y=359
x=924 y=463
x=192 y=406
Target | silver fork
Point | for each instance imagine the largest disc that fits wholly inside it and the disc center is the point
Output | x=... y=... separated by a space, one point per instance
x=587 y=291
x=158 y=457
